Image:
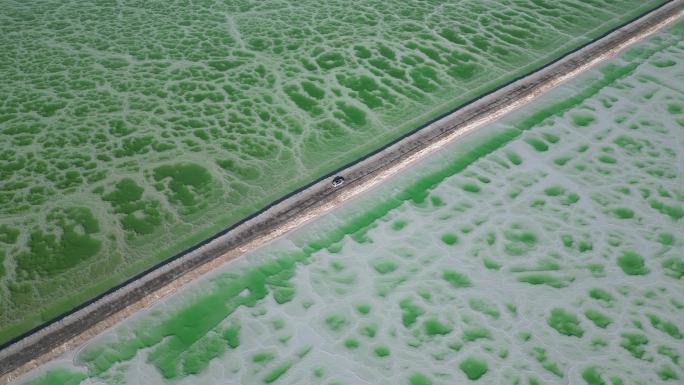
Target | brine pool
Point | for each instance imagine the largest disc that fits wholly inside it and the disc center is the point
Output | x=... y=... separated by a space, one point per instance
x=132 y=130
x=546 y=248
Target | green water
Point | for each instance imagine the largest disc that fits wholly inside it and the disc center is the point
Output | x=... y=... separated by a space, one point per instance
x=130 y=131
x=545 y=284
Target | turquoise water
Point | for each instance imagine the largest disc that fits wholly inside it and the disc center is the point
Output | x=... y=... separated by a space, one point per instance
x=545 y=248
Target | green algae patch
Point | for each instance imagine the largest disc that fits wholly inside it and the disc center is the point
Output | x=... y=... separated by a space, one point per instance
x=184 y=183
x=674 y=267
x=410 y=312
x=539 y=354
x=623 y=213
x=449 y=239
x=537 y=144
x=665 y=326
x=476 y=333
x=74 y=237
x=484 y=307
x=231 y=335
x=514 y=158
x=456 y=279
x=582 y=120
x=599 y=319
x=363 y=308
x=263 y=357
x=554 y=191
x=601 y=295
x=565 y=323
x=285 y=366
x=666 y=239
x=399 y=224
x=381 y=351
x=183 y=337
x=491 y=264
x=385 y=266
x=434 y=327
x=278 y=371
x=632 y=263
x=419 y=379
x=197 y=358
x=471 y=188
x=634 y=343
x=546 y=279
x=673 y=211
x=336 y=322
x=474 y=368
x=669 y=352
x=666 y=373
x=369 y=330
x=8 y=234
x=351 y=343
x=137 y=215
x=592 y=376
x=455 y=345
x=58 y=376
